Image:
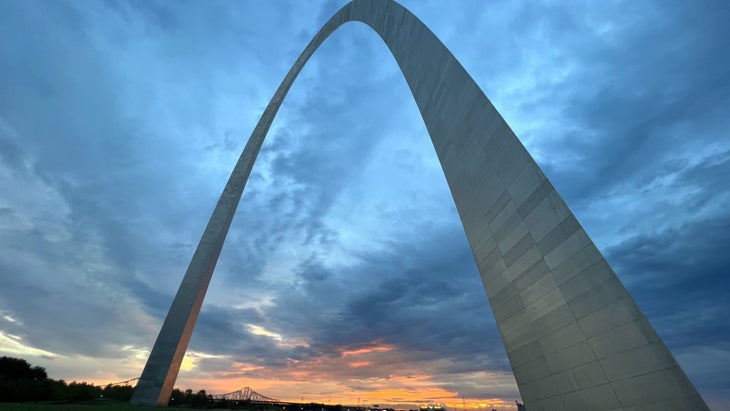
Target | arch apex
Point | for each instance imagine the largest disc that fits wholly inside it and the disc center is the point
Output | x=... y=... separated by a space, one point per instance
x=574 y=337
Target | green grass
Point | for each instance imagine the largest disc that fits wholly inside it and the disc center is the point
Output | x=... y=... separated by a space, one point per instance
x=101 y=406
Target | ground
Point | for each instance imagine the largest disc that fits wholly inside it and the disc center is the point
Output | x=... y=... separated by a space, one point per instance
x=106 y=406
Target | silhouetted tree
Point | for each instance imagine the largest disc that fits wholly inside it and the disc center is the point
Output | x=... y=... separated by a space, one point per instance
x=81 y=391
x=21 y=382
x=200 y=399
x=57 y=389
x=118 y=392
x=18 y=368
x=188 y=399
x=177 y=398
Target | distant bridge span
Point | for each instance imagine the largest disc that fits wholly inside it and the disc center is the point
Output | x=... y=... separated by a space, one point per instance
x=132 y=382
x=246 y=394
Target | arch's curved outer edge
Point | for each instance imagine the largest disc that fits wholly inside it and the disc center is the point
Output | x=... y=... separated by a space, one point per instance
x=574 y=336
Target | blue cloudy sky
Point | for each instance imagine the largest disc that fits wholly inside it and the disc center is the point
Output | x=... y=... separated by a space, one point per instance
x=346 y=273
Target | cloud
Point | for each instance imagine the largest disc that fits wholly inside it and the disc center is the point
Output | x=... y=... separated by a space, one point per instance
x=680 y=280
x=120 y=122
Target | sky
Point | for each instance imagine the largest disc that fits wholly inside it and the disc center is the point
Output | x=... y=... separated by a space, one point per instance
x=346 y=276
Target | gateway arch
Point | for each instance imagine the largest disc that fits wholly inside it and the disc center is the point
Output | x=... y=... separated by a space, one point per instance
x=574 y=336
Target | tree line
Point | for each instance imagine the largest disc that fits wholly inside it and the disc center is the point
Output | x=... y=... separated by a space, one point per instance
x=21 y=382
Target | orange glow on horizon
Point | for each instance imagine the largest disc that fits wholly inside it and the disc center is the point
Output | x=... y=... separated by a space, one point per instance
x=375 y=373
x=299 y=386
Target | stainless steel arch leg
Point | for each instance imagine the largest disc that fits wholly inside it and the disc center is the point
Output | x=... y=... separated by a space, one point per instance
x=574 y=336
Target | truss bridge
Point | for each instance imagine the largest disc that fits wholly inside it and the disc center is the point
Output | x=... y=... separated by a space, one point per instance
x=246 y=394
x=131 y=382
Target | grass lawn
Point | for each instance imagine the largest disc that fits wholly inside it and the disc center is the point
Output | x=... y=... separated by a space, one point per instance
x=101 y=406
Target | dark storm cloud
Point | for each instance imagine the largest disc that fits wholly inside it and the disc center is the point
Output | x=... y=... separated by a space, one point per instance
x=627 y=116
x=680 y=275
x=679 y=278
x=426 y=299
x=224 y=329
